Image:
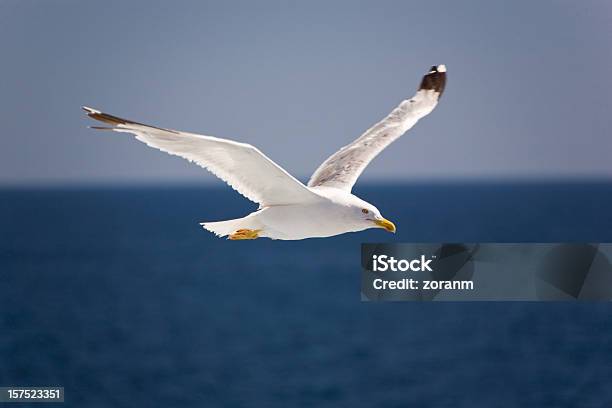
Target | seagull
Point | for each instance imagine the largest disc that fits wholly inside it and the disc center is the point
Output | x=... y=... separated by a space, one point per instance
x=288 y=209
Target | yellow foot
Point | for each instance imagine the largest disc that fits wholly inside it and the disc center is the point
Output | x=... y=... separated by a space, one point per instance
x=244 y=234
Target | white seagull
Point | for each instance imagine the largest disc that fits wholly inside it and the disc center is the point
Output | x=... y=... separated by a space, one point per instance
x=288 y=209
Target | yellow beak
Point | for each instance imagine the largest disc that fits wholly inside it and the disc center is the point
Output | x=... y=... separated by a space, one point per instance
x=386 y=224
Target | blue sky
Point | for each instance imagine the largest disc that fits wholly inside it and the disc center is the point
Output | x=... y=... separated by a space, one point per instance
x=528 y=94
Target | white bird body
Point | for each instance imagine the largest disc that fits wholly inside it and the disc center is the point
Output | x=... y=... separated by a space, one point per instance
x=288 y=209
x=332 y=214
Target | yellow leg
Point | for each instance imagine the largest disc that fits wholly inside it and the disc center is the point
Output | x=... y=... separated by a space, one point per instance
x=244 y=234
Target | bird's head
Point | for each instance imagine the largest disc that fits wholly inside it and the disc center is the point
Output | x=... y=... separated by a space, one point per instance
x=369 y=217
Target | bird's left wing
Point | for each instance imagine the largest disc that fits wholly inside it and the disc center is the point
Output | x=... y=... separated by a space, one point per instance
x=242 y=166
x=342 y=169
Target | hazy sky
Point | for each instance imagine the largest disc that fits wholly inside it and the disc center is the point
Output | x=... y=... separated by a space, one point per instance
x=528 y=93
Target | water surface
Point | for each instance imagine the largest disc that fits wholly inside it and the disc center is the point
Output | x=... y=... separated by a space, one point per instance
x=119 y=296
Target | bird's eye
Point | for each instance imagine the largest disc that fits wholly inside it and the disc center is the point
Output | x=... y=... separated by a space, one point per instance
x=364 y=211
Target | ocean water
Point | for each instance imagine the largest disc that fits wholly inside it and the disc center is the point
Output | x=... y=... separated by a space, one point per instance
x=119 y=296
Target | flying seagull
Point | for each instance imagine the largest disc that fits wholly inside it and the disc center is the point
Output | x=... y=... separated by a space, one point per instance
x=288 y=209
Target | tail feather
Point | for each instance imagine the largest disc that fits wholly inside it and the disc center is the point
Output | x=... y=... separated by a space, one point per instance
x=224 y=228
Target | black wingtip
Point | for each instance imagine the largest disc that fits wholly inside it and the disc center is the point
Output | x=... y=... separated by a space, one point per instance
x=101 y=128
x=115 y=120
x=435 y=79
x=105 y=117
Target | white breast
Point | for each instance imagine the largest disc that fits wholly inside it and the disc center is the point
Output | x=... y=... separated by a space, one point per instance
x=325 y=218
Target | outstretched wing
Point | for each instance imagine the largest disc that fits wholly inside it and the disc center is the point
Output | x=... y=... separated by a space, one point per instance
x=342 y=169
x=240 y=165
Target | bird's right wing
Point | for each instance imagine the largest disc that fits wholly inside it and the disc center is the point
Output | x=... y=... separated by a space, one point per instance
x=342 y=168
x=242 y=166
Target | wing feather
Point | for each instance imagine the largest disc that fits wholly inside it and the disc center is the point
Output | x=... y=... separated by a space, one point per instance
x=343 y=168
x=242 y=166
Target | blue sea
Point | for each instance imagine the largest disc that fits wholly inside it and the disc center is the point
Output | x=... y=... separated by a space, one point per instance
x=119 y=296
